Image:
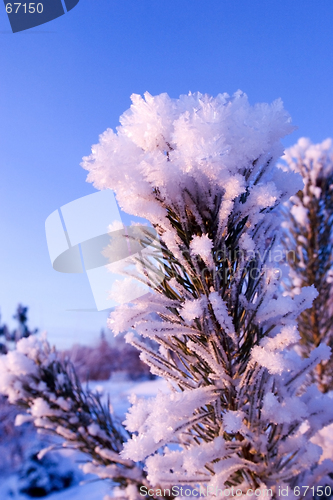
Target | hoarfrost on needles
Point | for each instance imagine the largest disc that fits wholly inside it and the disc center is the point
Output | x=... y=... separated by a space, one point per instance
x=203 y=172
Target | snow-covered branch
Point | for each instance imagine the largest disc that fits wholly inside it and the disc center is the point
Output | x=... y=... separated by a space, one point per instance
x=308 y=241
x=216 y=325
x=34 y=378
x=203 y=171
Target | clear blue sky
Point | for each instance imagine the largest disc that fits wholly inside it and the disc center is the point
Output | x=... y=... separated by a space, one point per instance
x=65 y=82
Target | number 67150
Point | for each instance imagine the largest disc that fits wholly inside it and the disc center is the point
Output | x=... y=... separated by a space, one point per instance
x=31 y=9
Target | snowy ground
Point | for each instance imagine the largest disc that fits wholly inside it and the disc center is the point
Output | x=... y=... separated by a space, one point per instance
x=119 y=391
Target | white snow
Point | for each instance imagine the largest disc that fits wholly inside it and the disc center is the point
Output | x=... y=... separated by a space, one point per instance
x=92 y=489
x=89 y=491
x=202 y=245
x=192 y=309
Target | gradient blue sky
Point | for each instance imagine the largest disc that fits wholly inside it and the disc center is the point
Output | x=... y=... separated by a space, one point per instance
x=65 y=82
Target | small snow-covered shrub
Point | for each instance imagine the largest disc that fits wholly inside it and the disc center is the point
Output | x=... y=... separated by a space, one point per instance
x=41 y=476
x=35 y=378
x=9 y=338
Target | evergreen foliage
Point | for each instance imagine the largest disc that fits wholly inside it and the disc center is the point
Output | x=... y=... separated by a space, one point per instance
x=240 y=412
x=203 y=172
x=309 y=234
x=22 y=331
x=36 y=379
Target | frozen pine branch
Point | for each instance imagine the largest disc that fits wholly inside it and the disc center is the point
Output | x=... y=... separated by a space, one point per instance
x=203 y=171
x=308 y=241
x=34 y=378
x=240 y=411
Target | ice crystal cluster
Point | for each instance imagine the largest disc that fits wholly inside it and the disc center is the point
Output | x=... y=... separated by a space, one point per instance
x=216 y=326
x=203 y=171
